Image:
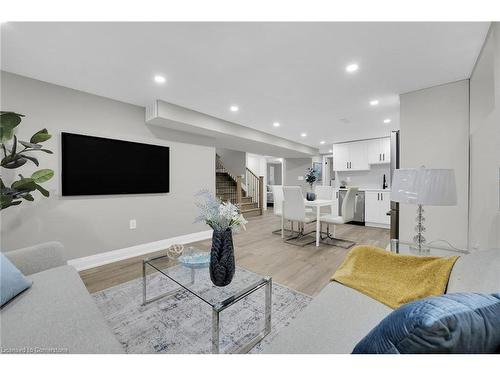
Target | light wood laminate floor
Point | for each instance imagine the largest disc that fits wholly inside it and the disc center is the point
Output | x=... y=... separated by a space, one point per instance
x=306 y=269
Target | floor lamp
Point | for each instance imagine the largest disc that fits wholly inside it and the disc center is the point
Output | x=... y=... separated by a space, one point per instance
x=423 y=187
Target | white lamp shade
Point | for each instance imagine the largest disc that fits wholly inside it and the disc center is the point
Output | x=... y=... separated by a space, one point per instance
x=428 y=187
x=403 y=186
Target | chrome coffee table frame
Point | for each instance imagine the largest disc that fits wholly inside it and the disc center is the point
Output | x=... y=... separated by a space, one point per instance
x=265 y=282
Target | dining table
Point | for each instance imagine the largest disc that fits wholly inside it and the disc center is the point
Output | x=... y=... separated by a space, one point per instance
x=317 y=204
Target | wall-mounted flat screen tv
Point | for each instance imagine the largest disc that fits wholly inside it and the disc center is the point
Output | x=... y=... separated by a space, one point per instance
x=99 y=166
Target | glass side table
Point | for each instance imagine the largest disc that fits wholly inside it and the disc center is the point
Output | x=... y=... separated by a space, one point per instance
x=406 y=248
x=196 y=280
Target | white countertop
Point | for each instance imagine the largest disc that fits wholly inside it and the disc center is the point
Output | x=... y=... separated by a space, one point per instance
x=388 y=190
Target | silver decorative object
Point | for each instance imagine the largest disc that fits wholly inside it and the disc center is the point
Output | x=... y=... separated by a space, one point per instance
x=419 y=239
x=175 y=251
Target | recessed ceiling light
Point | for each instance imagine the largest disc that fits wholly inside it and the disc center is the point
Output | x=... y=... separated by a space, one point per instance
x=330 y=150
x=160 y=79
x=387 y=120
x=303 y=134
x=351 y=68
x=276 y=124
x=322 y=142
x=234 y=108
x=373 y=102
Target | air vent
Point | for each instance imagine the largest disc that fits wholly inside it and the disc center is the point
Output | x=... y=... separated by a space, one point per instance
x=345 y=120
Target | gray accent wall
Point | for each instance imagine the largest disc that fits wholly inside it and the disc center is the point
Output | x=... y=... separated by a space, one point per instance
x=295 y=169
x=92 y=225
x=277 y=173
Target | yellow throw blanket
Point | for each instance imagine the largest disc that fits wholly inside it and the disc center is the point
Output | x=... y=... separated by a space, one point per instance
x=394 y=279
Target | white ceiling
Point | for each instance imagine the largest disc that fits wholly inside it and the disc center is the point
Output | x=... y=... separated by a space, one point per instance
x=293 y=73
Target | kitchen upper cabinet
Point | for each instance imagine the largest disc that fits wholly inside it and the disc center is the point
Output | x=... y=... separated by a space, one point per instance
x=379 y=151
x=352 y=156
x=377 y=204
x=358 y=156
x=341 y=157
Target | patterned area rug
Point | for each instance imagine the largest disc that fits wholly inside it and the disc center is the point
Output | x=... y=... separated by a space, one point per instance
x=182 y=323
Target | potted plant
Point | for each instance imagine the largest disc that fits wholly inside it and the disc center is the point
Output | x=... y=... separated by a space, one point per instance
x=223 y=218
x=311 y=176
x=16 y=153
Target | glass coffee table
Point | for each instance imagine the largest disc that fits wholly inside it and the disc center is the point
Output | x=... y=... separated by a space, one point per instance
x=196 y=280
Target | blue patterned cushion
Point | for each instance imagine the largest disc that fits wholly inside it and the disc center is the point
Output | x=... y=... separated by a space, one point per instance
x=451 y=323
x=12 y=281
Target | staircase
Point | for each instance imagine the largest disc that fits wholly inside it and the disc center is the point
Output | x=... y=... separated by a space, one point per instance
x=229 y=188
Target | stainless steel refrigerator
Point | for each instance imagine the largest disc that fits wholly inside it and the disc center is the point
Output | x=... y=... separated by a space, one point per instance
x=394 y=212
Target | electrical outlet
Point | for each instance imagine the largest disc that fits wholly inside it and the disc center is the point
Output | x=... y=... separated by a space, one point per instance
x=132 y=224
x=300 y=178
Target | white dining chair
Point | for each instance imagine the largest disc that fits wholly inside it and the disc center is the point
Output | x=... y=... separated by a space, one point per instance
x=294 y=210
x=348 y=206
x=277 y=191
x=325 y=193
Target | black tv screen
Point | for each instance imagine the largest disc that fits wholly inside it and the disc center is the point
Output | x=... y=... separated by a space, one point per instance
x=95 y=166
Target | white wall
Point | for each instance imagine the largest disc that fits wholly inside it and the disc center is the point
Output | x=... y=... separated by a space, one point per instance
x=233 y=161
x=258 y=165
x=434 y=133
x=484 y=231
x=91 y=225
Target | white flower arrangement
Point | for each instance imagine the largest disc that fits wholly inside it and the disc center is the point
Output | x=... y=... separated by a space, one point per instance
x=219 y=215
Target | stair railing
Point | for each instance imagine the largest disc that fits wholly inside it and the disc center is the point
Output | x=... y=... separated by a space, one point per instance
x=255 y=188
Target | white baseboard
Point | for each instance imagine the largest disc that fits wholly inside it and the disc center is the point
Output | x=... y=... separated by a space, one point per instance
x=129 y=252
x=378 y=225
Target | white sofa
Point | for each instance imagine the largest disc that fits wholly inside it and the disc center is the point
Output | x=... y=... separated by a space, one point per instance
x=55 y=315
x=339 y=317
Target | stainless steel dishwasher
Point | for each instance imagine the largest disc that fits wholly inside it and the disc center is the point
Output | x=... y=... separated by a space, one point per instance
x=359 y=207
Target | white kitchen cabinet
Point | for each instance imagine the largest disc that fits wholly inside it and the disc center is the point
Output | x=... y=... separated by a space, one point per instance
x=386 y=149
x=358 y=156
x=352 y=156
x=377 y=204
x=340 y=157
x=379 y=151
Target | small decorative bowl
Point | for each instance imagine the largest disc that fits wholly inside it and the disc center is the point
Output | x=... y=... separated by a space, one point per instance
x=175 y=251
x=195 y=259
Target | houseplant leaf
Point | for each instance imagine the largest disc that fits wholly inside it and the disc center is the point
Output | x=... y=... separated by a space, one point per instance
x=34 y=160
x=42 y=175
x=44 y=192
x=13 y=161
x=8 y=122
x=30 y=145
x=14 y=146
x=24 y=184
x=7 y=201
x=28 y=197
x=40 y=136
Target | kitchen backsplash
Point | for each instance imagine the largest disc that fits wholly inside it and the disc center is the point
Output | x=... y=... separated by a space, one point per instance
x=371 y=179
